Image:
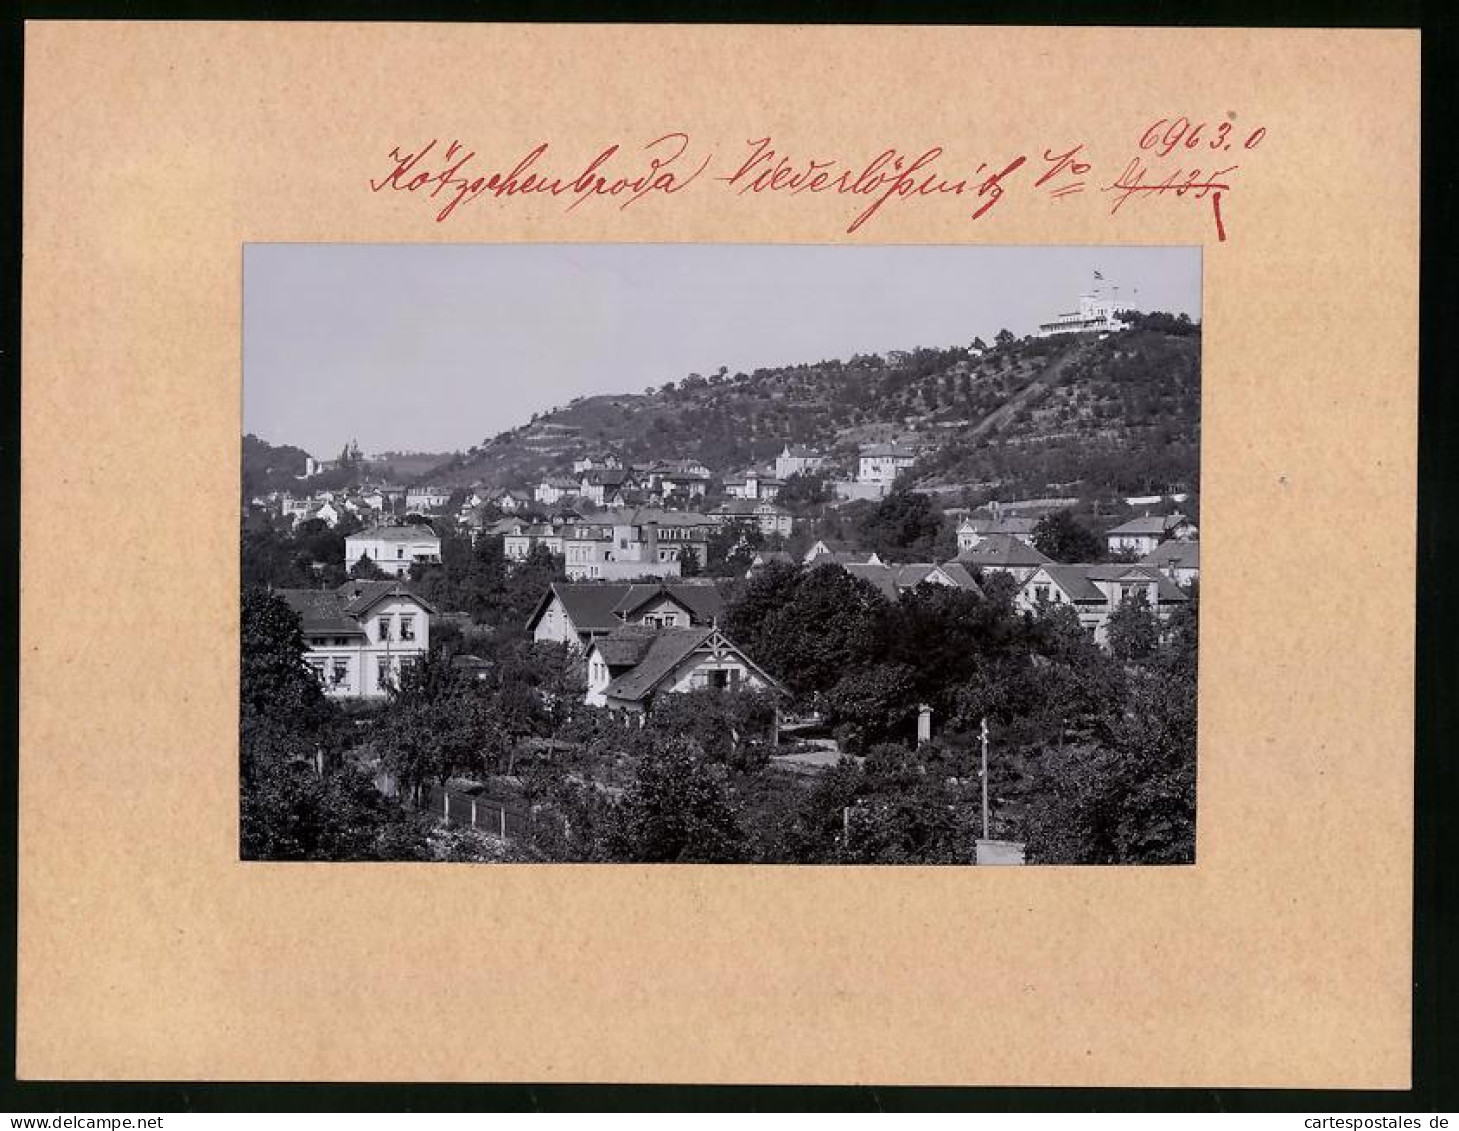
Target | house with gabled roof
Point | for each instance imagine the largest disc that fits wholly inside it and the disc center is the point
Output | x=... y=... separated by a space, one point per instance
x=1179 y=559
x=765 y=558
x=360 y=636
x=1003 y=553
x=1141 y=535
x=972 y=530
x=581 y=612
x=829 y=551
x=893 y=580
x=629 y=668
x=607 y=487
x=1094 y=592
x=797 y=459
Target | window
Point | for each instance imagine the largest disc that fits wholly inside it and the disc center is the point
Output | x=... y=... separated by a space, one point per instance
x=341 y=672
x=317 y=667
x=400 y=551
x=407 y=626
x=384 y=627
x=1040 y=593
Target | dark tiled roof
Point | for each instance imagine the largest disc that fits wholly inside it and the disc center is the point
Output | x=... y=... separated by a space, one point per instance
x=593 y=606
x=1074 y=580
x=361 y=596
x=626 y=647
x=881 y=576
x=704 y=602
x=959 y=573
x=321 y=612
x=409 y=533
x=1166 y=590
x=1001 y=550
x=1185 y=554
x=667 y=648
x=1078 y=581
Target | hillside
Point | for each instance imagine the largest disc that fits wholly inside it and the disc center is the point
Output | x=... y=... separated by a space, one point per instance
x=1027 y=417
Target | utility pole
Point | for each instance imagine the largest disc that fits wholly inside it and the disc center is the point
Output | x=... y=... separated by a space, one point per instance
x=983 y=773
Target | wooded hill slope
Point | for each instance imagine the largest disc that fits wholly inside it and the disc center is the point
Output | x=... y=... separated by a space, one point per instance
x=1022 y=418
x=1027 y=418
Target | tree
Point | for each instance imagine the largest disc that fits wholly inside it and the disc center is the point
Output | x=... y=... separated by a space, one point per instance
x=1134 y=631
x=1003 y=339
x=732 y=546
x=809 y=628
x=677 y=809
x=1062 y=537
x=805 y=489
x=688 y=563
x=903 y=525
x=873 y=704
x=292 y=807
x=731 y=726
x=366 y=570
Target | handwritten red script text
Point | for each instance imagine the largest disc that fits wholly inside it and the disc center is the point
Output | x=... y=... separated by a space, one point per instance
x=1173 y=160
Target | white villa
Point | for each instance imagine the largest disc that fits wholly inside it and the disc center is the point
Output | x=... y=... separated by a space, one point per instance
x=393 y=549
x=771 y=519
x=1142 y=535
x=426 y=498
x=882 y=463
x=361 y=635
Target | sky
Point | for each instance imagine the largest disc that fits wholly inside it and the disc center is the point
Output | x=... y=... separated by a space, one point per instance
x=437 y=347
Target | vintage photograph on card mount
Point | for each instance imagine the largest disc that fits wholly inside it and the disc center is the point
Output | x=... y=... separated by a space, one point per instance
x=763 y=554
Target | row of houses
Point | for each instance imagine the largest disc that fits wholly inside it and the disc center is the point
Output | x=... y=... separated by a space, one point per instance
x=1137 y=536
x=1161 y=578
x=644 y=637
x=636 y=541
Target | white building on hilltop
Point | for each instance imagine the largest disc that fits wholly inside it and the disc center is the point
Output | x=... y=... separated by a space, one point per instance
x=1096 y=315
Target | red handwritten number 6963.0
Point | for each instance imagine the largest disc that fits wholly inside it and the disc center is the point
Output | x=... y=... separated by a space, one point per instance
x=1166 y=134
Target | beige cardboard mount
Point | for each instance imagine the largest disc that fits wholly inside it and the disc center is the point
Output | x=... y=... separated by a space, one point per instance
x=155 y=151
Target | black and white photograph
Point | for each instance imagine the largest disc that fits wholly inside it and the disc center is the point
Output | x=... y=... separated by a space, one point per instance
x=720 y=554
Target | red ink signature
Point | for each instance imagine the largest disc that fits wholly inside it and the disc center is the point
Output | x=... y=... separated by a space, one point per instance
x=412 y=173
x=452 y=176
x=892 y=173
